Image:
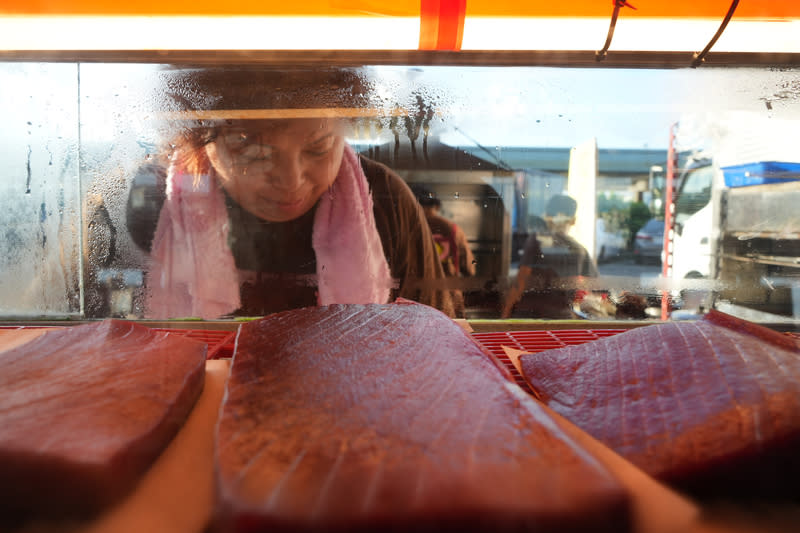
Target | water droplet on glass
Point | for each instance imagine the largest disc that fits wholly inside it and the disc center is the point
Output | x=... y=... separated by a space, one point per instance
x=522 y=195
x=456 y=195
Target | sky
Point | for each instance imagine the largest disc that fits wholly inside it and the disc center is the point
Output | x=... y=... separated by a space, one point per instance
x=620 y=108
x=493 y=106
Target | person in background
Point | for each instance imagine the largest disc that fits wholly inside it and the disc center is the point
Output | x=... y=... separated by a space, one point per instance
x=267 y=208
x=551 y=263
x=451 y=243
x=454 y=250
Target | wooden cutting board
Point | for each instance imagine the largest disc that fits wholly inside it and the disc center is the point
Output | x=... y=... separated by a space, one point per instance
x=177 y=495
x=11 y=338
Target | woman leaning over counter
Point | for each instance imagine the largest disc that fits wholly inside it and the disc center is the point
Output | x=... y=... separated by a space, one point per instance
x=264 y=206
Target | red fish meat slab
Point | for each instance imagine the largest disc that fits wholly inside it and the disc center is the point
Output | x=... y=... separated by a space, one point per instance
x=85 y=410
x=391 y=418
x=712 y=406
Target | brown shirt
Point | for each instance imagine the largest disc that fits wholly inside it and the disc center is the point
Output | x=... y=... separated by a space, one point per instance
x=278 y=263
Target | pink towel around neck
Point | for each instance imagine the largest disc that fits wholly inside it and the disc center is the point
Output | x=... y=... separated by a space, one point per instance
x=193 y=272
x=351 y=265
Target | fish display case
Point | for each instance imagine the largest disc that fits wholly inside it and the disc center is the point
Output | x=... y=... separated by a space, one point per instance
x=87 y=146
x=493 y=109
x=184 y=470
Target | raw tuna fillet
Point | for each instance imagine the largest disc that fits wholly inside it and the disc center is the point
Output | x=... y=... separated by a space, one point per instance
x=391 y=418
x=711 y=406
x=85 y=410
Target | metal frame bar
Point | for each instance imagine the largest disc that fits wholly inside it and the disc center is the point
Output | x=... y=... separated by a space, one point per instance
x=547 y=58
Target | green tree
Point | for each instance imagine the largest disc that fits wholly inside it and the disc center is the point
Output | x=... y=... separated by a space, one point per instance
x=638 y=215
x=614 y=210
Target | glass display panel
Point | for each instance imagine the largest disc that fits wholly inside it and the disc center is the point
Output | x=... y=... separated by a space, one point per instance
x=164 y=191
x=40 y=198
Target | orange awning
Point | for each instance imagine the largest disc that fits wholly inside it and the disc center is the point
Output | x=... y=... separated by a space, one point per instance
x=437 y=25
x=747 y=9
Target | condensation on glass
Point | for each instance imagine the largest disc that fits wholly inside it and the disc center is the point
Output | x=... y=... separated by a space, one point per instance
x=40 y=257
x=85 y=144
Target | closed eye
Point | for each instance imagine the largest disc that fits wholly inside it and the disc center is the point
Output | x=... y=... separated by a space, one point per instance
x=321 y=146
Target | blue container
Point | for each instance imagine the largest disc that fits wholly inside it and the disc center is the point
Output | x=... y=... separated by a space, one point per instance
x=760 y=173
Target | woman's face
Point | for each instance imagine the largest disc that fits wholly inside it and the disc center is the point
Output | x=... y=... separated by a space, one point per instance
x=277 y=170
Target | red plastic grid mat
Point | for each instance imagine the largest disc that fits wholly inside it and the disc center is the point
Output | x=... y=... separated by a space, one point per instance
x=221 y=343
x=539 y=341
x=536 y=341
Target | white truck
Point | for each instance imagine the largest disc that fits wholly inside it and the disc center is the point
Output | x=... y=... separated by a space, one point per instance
x=735 y=235
x=692 y=220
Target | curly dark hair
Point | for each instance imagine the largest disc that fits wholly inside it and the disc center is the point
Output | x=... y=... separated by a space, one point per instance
x=198 y=99
x=221 y=88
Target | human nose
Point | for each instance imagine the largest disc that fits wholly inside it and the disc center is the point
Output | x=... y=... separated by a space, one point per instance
x=287 y=174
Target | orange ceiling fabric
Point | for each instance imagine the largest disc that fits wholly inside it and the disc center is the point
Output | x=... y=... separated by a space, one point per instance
x=758 y=9
x=441 y=24
x=747 y=9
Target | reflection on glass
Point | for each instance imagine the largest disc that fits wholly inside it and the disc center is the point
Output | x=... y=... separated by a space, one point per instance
x=551 y=260
x=159 y=191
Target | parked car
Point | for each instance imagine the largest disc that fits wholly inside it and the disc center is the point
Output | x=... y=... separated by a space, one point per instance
x=609 y=244
x=649 y=241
